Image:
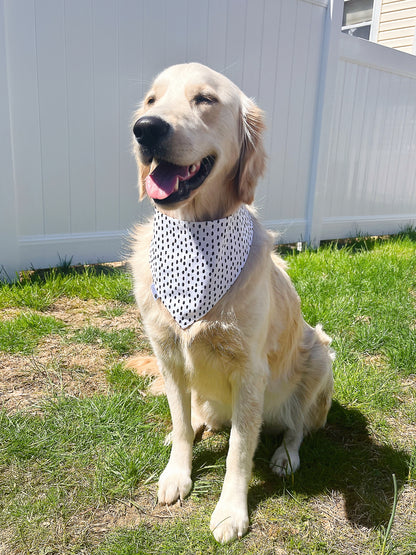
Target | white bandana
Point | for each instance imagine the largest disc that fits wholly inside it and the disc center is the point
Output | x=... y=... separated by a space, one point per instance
x=194 y=264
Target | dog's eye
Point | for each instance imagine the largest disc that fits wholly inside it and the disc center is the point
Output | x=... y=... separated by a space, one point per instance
x=202 y=98
x=150 y=100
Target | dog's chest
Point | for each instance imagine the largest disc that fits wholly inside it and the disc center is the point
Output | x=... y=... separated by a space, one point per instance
x=208 y=353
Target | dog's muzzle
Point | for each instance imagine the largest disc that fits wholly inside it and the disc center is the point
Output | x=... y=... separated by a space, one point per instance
x=150 y=131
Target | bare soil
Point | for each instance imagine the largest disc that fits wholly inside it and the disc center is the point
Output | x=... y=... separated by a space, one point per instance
x=58 y=366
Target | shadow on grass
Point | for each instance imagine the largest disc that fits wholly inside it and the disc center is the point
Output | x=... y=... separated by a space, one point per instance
x=342 y=457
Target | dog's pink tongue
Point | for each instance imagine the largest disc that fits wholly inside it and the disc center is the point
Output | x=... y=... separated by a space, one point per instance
x=162 y=182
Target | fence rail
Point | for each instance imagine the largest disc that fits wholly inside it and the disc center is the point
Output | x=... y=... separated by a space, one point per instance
x=341 y=117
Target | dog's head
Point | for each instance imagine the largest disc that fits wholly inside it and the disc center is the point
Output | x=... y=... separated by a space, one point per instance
x=198 y=143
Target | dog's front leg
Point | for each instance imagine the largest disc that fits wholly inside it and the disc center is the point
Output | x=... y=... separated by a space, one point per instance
x=175 y=481
x=230 y=517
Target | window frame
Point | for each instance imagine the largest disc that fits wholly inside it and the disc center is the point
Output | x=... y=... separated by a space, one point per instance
x=374 y=23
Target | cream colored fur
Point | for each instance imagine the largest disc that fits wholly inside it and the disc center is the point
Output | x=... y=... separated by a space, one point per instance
x=252 y=361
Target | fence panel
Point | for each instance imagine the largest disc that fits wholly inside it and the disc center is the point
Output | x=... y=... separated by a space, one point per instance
x=371 y=181
x=75 y=71
x=341 y=118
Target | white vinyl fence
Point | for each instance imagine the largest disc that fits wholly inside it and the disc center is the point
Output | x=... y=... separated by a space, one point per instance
x=341 y=116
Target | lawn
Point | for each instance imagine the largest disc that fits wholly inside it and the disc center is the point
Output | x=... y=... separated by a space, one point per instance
x=81 y=440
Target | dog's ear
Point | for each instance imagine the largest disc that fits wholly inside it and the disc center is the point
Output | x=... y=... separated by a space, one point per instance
x=252 y=160
x=142 y=171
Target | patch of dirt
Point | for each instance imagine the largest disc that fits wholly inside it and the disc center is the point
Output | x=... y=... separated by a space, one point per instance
x=17 y=386
x=10 y=314
x=402 y=421
x=57 y=368
x=96 y=523
x=336 y=528
x=78 y=313
x=377 y=361
x=405 y=519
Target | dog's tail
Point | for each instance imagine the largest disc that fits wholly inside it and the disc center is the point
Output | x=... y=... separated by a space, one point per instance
x=147 y=366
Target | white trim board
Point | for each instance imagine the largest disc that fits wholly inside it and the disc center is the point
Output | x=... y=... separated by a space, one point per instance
x=321 y=3
x=286 y=231
x=351 y=226
x=369 y=54
x=59 y=238
x=90 y=248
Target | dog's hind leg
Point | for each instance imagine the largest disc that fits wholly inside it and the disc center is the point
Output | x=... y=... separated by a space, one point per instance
x=285 y=460
x=309 y=404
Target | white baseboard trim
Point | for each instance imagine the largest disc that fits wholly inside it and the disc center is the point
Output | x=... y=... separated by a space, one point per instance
x=287 y=231
x=44 y=251
x=387 y=224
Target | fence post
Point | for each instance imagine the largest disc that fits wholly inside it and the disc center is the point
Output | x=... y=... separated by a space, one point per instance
x=322 y=128
x=9 y=253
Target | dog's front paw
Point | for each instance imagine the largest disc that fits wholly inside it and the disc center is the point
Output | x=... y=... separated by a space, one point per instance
x=284 y=462
x=229 y=521
x=174 y=483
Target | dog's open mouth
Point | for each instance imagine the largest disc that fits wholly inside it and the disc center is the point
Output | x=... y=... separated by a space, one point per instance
x=168 y=183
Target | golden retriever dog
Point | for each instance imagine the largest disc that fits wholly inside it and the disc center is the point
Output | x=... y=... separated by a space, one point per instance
x=245 y=357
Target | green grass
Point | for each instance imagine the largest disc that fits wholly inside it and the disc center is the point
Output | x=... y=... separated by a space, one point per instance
x=366 y=300
x=78 y=474
x=366 y=293
x=123 y=342
x=79 y=454
x=22 y=334
x=39 y=290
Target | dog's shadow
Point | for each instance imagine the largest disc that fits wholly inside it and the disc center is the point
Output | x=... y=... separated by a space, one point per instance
x=342 y=457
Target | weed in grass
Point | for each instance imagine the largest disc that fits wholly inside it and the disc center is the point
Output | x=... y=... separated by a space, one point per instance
x=22 y=334
x=412 y=466
x=386 y=547
x=64 y=265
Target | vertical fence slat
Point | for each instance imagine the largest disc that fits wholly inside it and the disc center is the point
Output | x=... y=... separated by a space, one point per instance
x=22 y=79
x=9 y=255
x=81 y=124
x=53 y=114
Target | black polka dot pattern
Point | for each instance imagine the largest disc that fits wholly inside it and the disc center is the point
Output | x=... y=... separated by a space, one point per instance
x=194 y=264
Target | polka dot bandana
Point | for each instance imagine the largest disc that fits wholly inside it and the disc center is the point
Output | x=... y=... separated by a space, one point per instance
x=194 y=264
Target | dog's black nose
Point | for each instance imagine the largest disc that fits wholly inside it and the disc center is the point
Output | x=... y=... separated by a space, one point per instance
x=150 y=130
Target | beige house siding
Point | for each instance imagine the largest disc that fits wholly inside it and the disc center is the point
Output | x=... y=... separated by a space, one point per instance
x=397 y=24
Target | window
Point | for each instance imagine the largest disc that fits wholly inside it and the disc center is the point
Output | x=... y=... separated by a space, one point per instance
x=357 y=18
